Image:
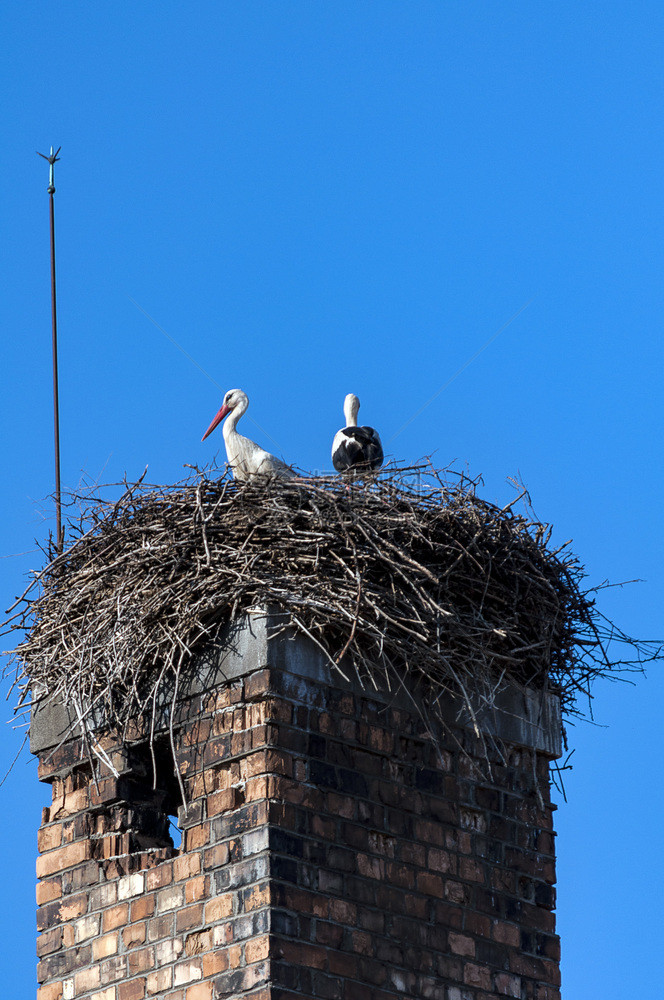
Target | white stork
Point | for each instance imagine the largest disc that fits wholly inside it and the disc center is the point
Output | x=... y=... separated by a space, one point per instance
x=245 y=457
x=356 y=449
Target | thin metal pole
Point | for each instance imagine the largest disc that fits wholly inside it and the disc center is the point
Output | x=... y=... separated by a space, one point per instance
x=52 y=159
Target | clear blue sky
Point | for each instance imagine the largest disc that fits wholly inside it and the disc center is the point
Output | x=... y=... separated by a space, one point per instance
x=315 y=198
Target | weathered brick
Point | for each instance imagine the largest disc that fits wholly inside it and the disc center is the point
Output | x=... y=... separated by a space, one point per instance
x=219 y=908
x=187 y=972
x=159 y=981
x=509 y=986
x=167 y=952
x=170 y=898
x=197 y=837
x=86 y=928
x=222 y=801
x=87 y=980
x=49 y=837
x=131 y=885
x=186 y=866
x=49 y=941
x=197 y=943
x=161 y=927
x=62 y=858
x=103 y=896
x=112 y=969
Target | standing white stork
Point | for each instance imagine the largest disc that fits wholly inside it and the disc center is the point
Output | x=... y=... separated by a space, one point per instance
x=245 y=457
x=356 y=449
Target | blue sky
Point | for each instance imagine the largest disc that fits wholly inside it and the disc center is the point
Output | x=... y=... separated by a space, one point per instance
x=315 y=198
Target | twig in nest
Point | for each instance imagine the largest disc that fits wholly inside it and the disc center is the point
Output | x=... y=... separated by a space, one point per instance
x=410 y=575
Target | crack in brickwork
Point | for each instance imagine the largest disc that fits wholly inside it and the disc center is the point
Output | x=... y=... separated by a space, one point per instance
x=329 y=850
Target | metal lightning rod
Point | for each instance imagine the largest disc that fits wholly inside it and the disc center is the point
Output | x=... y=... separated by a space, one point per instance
x=52 y=159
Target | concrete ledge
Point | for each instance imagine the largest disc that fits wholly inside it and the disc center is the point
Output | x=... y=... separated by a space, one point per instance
x=265 y=639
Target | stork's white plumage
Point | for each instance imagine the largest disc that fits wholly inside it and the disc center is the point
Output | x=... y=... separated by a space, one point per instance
x=245 y=457
x=356 y=449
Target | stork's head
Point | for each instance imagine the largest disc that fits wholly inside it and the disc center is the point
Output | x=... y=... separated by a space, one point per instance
x=234 y=399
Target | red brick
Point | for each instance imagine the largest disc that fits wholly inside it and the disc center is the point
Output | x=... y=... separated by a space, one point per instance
x=142 y=907
x=223 y=801
x=134 y=934
x=51 y=992
x=196 y=837
x=49 y=837
x=189 y=917
x=471 y=871
x=105 y=946
x=256 y=788
x=48 y=890
x=216 y=857
x=432 y=885
x=477 y=975
x=201 y=991
x=133 y=990
x=461 y=944
x=140 y=961
x=158 y=877
x=197 y=888
x=214 y=962
x=219 y=908
x=505 y=933
x=257 y=949
x=300 y=953
x=116 y=916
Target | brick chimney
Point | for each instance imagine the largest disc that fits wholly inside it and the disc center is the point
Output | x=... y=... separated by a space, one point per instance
x=332 y=845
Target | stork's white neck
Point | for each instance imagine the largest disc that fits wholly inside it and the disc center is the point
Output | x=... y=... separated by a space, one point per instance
x=351 y=409
x=231 y=420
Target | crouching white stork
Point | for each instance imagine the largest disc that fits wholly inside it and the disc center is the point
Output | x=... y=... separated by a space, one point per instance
x=356 y=449
x=245 y=457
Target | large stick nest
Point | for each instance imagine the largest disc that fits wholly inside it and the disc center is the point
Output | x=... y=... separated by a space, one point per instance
x=393 y=577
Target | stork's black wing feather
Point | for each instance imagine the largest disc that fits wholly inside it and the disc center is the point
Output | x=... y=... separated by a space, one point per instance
x=360 y=448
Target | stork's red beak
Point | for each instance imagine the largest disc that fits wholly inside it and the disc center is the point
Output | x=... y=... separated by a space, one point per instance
x=217 y=420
